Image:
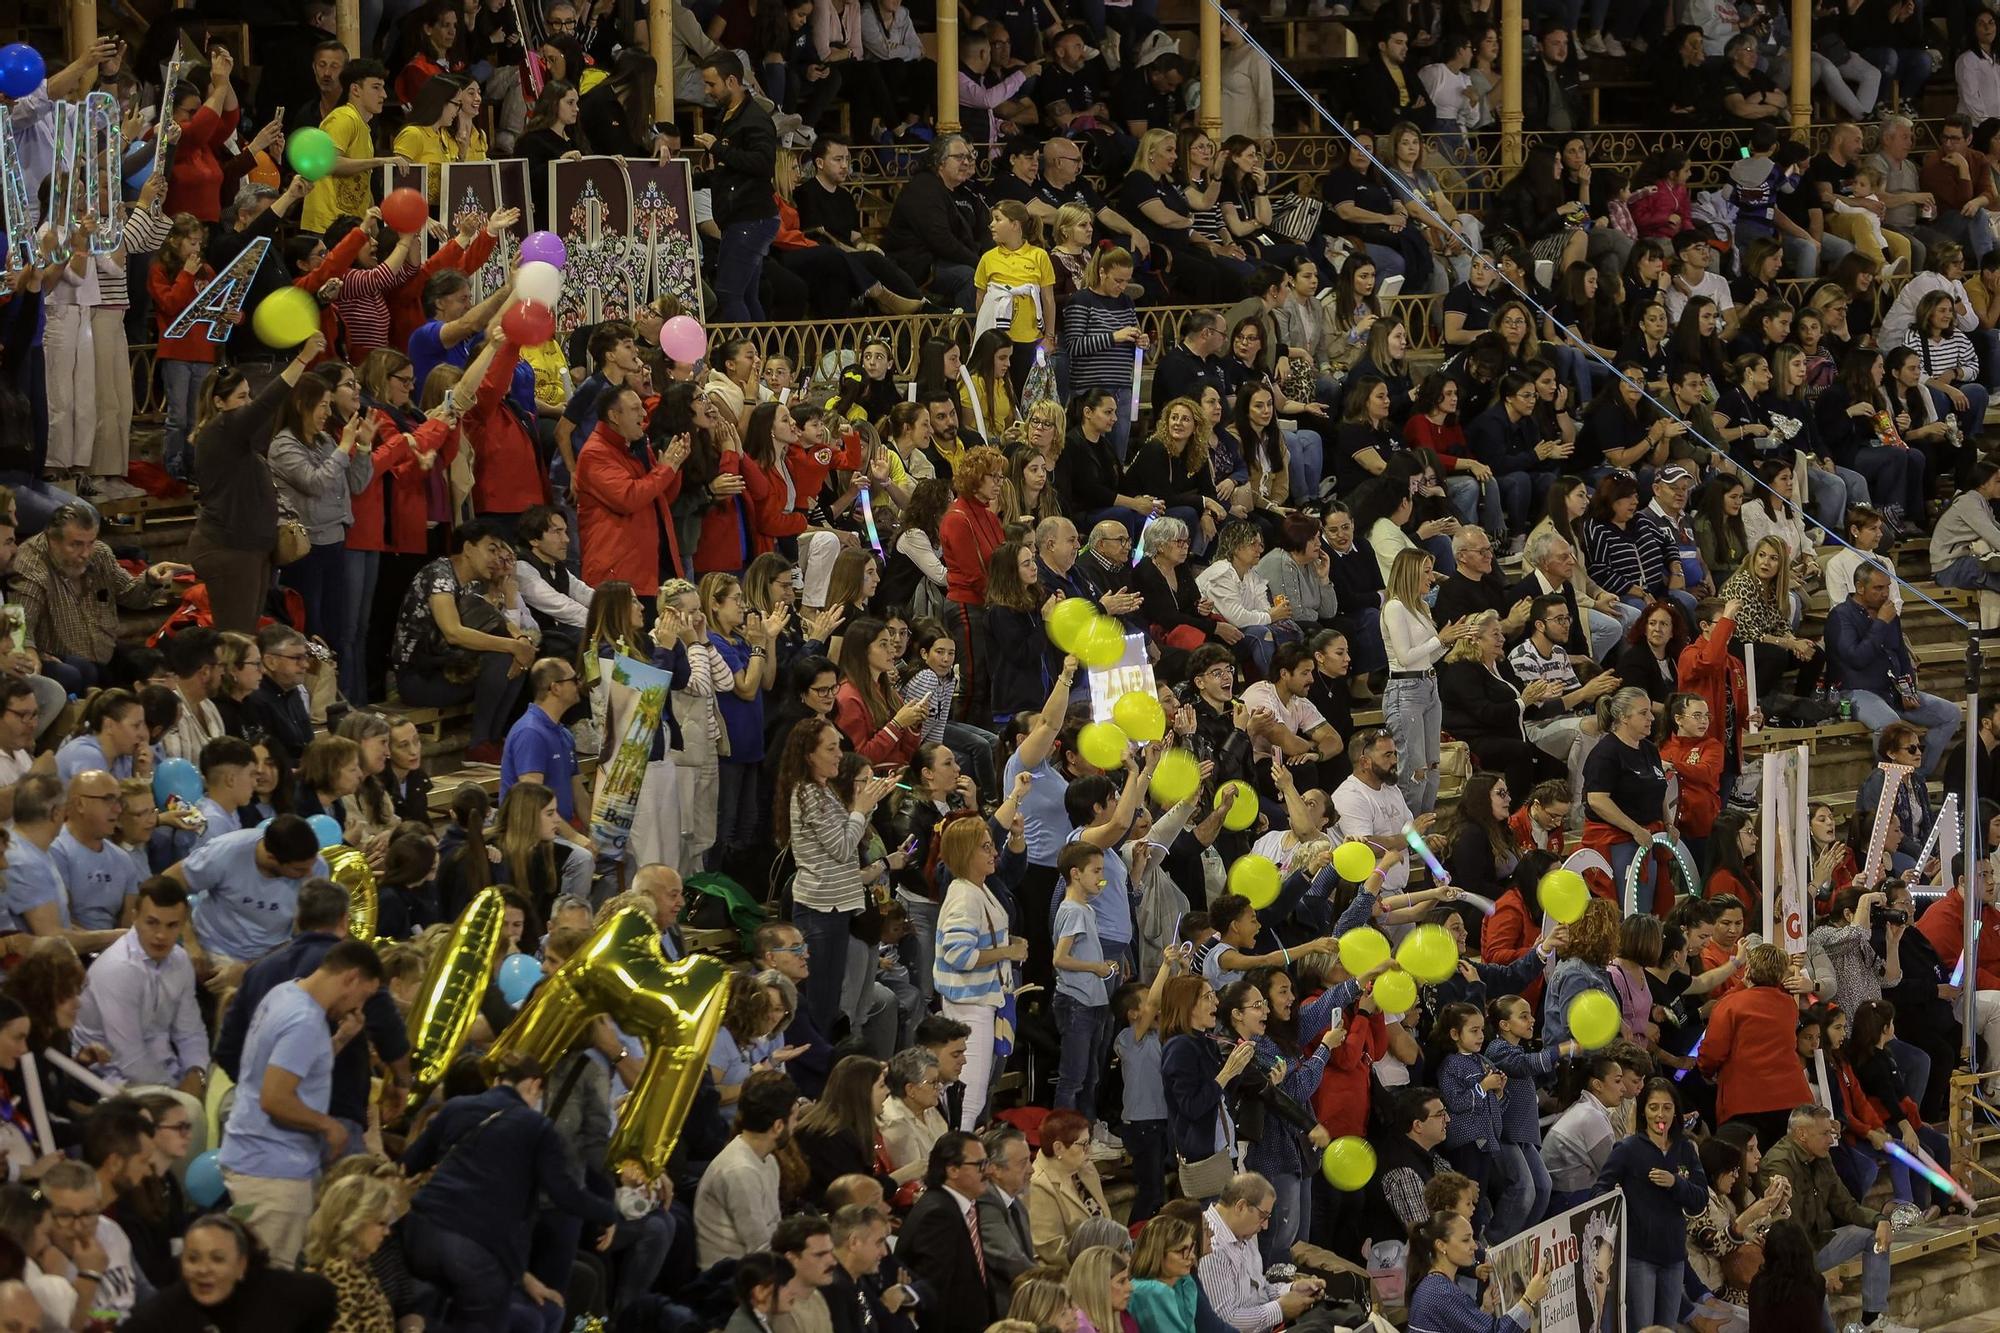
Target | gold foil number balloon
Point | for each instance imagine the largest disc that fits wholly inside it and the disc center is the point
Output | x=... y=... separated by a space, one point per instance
x=676 y=1007
x=348 y=867
x=444 y=1009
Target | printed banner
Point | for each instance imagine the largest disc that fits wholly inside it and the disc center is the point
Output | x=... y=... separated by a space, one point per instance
x=638 y=694
x=1110 y=684
x=629 y=231
x=1587 y=1284
x=482 y=189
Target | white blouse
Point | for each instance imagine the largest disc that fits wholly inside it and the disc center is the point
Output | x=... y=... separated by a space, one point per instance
x=1412 y=639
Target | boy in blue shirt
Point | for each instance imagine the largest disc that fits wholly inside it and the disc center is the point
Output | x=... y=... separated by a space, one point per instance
x=1143 y=1119
x=1082 y=1001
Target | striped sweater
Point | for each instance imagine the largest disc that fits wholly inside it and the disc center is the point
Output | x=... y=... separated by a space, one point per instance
x=1088 y=321
x=971 y=920
x=826 y=845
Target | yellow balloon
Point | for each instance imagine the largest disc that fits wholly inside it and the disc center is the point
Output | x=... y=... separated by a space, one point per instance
x=1102 y=745
x=285 y=318
x=1396 y=992
x=348 y=867
x=1594 y=1019
x=1102 y=643
x=1348 y=1163
x=1176 y=777
x=1066 y=624
x=1429 y=954
x=1563 y=895
x=676 y=1007
x=1255 y=878
x=442 y=1014
x=1354 y=860
x=1244 y=813
x=1363 y=949
x=1140 y=716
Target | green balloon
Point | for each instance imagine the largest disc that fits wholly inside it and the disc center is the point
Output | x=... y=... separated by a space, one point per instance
x=311 y=152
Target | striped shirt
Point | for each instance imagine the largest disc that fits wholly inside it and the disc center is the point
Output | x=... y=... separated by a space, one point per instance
x=937 y=695
x=1618 y=557
x=826 y=844
x=144 y=232
x=364 y=314
x=970 y=921
x=1088 y=321
x=1941 y=355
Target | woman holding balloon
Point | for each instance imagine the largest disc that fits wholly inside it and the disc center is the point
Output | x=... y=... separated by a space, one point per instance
x=1583 y=970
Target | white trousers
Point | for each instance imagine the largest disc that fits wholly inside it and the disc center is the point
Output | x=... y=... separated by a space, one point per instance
x=69 y=358
x=977 y=1076
x=110 y=448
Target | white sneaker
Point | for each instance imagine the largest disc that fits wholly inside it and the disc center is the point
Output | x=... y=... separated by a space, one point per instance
x=1613 y=47
x=1104 y=1136
x=1593 y=45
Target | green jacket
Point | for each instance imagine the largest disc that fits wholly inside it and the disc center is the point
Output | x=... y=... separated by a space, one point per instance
x=1820 y=1203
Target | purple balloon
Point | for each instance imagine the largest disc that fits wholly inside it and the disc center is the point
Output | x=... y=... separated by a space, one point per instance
x=544 y=247
x=21 y=69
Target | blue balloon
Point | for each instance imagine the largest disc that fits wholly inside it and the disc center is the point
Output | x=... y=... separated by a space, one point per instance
x=21 y=69
x=204 y=1179
x=176 y=777
x=518 y=976
x=329 y=830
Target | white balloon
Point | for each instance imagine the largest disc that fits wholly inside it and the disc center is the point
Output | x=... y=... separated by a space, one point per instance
x=541 y=282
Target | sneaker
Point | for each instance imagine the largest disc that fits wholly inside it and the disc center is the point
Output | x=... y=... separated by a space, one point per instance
x=1103 y=1135
x=1593 y=45
x=1104 y=1152
x=117 y=488
x=1613 y=47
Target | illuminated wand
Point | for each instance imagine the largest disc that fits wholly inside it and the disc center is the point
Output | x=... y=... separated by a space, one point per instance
x=1923 y=1165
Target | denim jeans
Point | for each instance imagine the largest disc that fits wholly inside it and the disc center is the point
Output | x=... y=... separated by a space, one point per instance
x=478 y=1284
x=1415 y=716
x=1909 y=67
x=1308 y=459
x=973 y=747
x=1895 y=477
x=826 y=935
x=1939 y=718
x=1477 y=502
x=179 y=380
x=1523 y=1195
x=1653 y=1293
x=319 y=577
x=1843 y=1245
x=1291 y=1213
x=1146 y=1140
x=1083 y=1029
x=920 y=945
x=739 y=267
x=1968 y=573
x=492 y=694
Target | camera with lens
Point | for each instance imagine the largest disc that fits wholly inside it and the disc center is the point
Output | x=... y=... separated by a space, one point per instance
x=1895 y=916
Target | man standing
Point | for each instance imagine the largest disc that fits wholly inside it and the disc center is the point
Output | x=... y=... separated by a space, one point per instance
x=102 y=880
x=1866 y=653
x=1004 y=1229
x=1838 y=1227
x=614 y=358
x=321 y=926
x=1232 y=1272
x=139 y=999
x=279 y=1129
x=345 y=191
x=743 y=154
x=625 y=493
x=1370 y=806
x=941 y=1243
x=736 y=1205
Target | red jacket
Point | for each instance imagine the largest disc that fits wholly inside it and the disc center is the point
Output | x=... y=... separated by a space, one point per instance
x=403 y=508
x=1713 y=955
x=811 y=467
x=1340 y=1102
x=1528 y=838
x=1513 y=930
x=171 y=295
x=507 y=472
x=622 y=500
x=886 y=744
x=1653 y=206
x=1725 y=881
x=728 y=539
x=969 y=533
x=406 y=298
x=1699 y=763
x=1706 y=668
x=336 y=264
x=1752 y=1054
x=194 y=182
x=776 y=509
x=1943 y=924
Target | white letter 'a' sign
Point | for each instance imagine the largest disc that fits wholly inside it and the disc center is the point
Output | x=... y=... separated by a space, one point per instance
x=220 y=304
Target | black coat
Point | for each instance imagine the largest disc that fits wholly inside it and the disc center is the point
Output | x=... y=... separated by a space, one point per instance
x=745 y=154
x=936 y=1246
x=1531 y=588
x=927 y=228
x=1478 y=703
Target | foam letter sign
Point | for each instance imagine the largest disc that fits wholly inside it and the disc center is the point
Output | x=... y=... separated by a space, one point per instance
x=220 y=304
x=17 y=205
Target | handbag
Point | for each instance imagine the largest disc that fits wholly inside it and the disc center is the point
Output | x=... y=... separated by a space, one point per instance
x=293 y=543
x=1833 y=46
x=1208 y=1177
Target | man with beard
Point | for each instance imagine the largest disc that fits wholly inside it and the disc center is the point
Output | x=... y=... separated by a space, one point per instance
x=1370 y=806
x=736 y=1206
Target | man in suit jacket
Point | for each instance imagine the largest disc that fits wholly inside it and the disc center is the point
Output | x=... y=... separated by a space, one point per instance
x=1551 y=563
x=858 y=1298
x=1003 y=1208
x=939 y=1242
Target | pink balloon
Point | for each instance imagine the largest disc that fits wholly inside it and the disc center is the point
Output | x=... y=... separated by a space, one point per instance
x=544 y=247
x=683 y=340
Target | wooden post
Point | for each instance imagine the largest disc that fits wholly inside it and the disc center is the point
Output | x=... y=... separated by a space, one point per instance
x=347 y=23
x=1211 y=71
x=947 y=67
x=1802 y=75
x=660 y=37
x=82 y=30
x=1510 y=83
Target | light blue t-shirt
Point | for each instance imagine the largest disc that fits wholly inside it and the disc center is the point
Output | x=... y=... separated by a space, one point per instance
x=239 y=911
x=220 y=821
x=1042 y=812
x=1145 y=1089
x=99 y=882
x=288 y=1030
x=736 y=1066
x=33 y=878
x=1076 y=921
x=80 y=754
x=1113 y=903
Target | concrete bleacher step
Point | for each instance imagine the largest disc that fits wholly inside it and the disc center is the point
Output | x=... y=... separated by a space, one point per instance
x=1946 y=1272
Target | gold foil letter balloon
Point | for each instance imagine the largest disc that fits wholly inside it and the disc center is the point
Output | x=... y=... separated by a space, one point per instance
x=443 y=1011
x=675 y=1007
x=348 y=867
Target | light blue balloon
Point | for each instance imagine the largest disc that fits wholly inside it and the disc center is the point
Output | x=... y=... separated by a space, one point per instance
x=176 y=777
x=328 y=829
x=204 y=1179
x=518 y=976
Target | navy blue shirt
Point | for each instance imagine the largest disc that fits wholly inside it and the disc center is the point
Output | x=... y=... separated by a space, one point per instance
x=537 y=743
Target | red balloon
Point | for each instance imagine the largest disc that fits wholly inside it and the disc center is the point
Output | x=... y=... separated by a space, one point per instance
x=405 y=211
x=528 y=324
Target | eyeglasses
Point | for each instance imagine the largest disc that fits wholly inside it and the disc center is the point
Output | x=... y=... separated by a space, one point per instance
x=65 y=1216
x=800 y=949
x=405 y=377
x=24 y=715
x=180 y=1127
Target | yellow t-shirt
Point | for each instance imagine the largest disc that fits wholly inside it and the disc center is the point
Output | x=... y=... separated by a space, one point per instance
x=434 y=148
x=339 y=196
x=1027 y=265
x=551 y=369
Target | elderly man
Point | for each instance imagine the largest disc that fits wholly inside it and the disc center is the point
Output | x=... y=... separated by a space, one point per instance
x=1232 y=1272
x=1003 y=1208
x=1476 y=585
x=1063 y=182
x=1902 y=192
x=103 y=882
x=936 y=227
x=26 y=661
x=280 y=706
x=71 y=588
x=1838 y=1227
x=663 y=883
x=37 y=899
x=1597 y=623
x=1668 y=516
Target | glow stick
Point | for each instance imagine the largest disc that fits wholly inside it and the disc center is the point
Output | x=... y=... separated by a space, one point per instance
x=1947 y=812
x=1423 y=849
x=1138 y=365
x=1693 y=1052
x=1486 y=906
x=1958 y=973
x=868 y=517
x=1934 y=1165
x=972 y=396
x=1139 y=547
x=38 y=1112
x=1929 y=1172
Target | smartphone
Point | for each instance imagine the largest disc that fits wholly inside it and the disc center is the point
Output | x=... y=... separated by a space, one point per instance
x=909 y=844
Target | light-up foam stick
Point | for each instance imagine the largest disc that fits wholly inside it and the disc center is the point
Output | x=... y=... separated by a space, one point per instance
x=1930 y=1171
x=1423 y=849
x=1138 y=368
x=868 y=517
x=1693 y=1051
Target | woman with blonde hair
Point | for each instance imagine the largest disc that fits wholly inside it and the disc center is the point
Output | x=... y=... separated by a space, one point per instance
x=534 y=856
x=349 y=1224
x=1100 y=1278
x=1044 y=1302
x=1762 y=588
x=242 y=664
x=1069 y=248
x=1156 y=205
x=1411 y=704
x=1047 y=430
x=1173 y=465
x=1100 y=327
x=977 y=958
